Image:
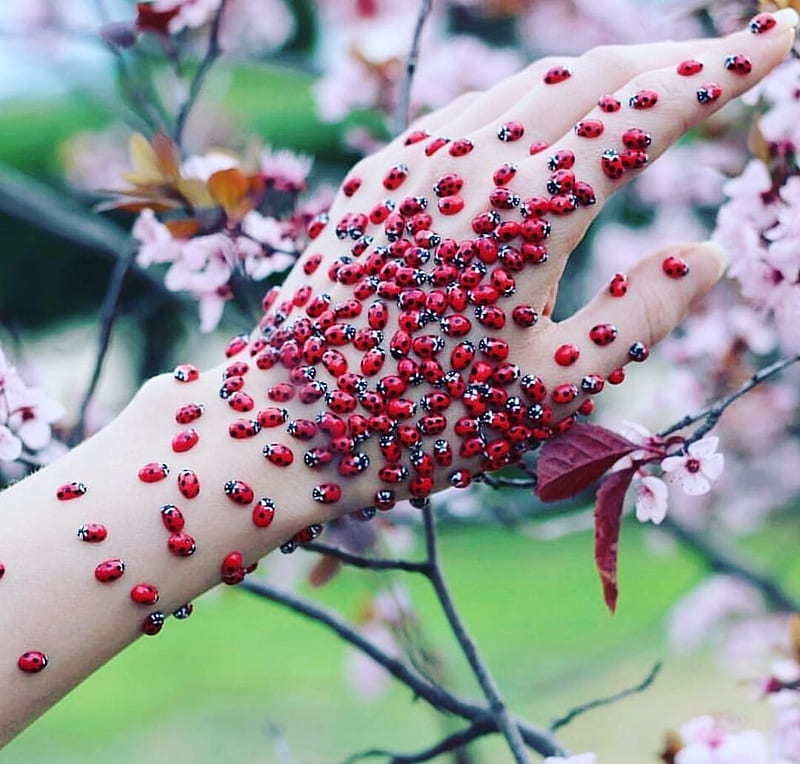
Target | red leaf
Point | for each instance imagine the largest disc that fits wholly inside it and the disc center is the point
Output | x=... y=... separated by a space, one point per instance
x=150 y=20
x=607 y=515
x=573 y=461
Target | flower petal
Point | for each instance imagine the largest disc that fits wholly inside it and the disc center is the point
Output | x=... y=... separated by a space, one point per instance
x=711 y=466
x=694 y=483
x=704 y=447
x=10 y=445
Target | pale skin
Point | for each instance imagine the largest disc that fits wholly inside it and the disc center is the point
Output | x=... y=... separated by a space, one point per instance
x=49 y=598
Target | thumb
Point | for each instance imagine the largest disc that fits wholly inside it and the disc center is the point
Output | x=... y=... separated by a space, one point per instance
x=645 y=307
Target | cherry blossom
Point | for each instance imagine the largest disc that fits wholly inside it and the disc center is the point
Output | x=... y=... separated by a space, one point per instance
x=698 y=468
x=651 y=499
x=712 y=740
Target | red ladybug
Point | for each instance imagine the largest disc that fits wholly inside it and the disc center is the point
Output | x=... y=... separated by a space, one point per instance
x=510 y=131
x=144 y=594
x=448 y=184
x=109 y=570
x=556 y=74
x=315 y=228
x=611 y=164
x=353 y=464
x=563 y=204
x=372 y=361
x=638 y=352
x=761 y=23
x=380 y=211
x=524 y=315
x=634 y=138
x=76 y=488
x=502 y=198
x=634 y=158
x=619 y=285
x=494 y=348
x=241 y=402
x=643 y=99
x=675 y=267
x=354 y=384
x=302 y=429
x=92 y=533
x=317 y=457
x=709 y=93
x=230 y=386
x=584 y=193
x=326 y=493
x=415 y=136
x=277 y=454
x=151 y=472
x=563 y=394
x=172 y=518
x=183 y=611
x=236 y=345
x=589 y=128
x=188 y=484
x=460 y=479
x=432 y=424
x=185 y=372
x=537 y=147
x=460 y=147
x=462 y=354
x=393 y=473
x=153 y=623
x=189 y=412
x=239 y=492
x=689 y=67
x=616 y=377
x=32 y=661
x=608 y=104
x=504 y=174
x=263 y=512
x=592 y=384
x=185 y=440
x=244 y=428
x=351 y=185
x=272 y=416
x=236 y=369
x=433 y=146
x=533 y=387
x=603 y=334
x=739 y=64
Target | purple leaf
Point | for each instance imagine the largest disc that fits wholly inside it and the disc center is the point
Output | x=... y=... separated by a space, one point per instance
x=573 y=461
x=607 y=516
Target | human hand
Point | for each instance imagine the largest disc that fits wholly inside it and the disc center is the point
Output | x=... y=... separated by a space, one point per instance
x=414 y=335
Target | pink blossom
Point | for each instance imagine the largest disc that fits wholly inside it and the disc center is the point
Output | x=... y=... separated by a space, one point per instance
x=253 y=27
x=696 y=470
x=711 y=740
x=785 y=733
x=579 y=758
x=10 y=445
x=203 y=166
x=158 y=244
x=285 y=170
x=651 y=499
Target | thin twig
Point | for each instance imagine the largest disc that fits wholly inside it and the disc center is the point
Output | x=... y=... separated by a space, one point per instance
x=723 y=561
x=712 y=413
x=450 y=743
x=369 y=563
x=108 y=315
x=213 y=52
x=404 y=102
x=608 y=700
x=468 y=646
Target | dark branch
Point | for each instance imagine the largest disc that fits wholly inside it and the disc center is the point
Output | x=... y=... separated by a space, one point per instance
x=213 y=52
x=712 y=413
x=469 y=648
x=588 y=706
x=369 y=563
x=404 y=101
x=722 y=561
x=450 y=743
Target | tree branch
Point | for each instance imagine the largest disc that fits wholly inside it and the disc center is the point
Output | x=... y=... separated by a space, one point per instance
x=592 y=704
x=712 y=413
x=404 y=101
x=213 y=52
x=468 y=646
x=368 y=563
x=723 y=561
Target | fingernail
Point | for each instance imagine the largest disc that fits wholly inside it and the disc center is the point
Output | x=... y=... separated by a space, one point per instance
x=713 y=250
x=786 y=17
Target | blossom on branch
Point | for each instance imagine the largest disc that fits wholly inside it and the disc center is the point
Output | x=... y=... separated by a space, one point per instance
x=698 y=468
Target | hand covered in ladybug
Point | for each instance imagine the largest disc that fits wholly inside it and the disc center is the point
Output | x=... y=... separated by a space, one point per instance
x=413 y=347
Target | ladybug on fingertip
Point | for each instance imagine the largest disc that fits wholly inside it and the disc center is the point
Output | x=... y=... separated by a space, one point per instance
x=74 y=490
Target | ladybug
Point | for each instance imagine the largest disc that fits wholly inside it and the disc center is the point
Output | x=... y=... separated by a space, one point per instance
x=393 y=473
x=761 y=23
x=244 y=428
x=586 y=408
x=277 y=454
x=420 y=486
x=366 y=287
x=611 y=164
x=619 y=285
x=351 y=383
x=504 y=174
x=144 y=594
x=308 y=534
x=326 y=493
x=185 y=372
x=535 y=229
x=400 y=344
x=172 y=518
x=455 y=325
x=556 y=74
x=340 y=402
x=510 y=131
x=299 y=375
x=643 y=99
x=372 y=361
x=616 y=377
x=448 y=184
x=353 y=464
x=433 y=146
x=109 y=570
x=189 y=412
x=561 y=160
x=401 y=408
x=188 y=484
x=462 y=354
x=563 y=204
x=331 y=424
x=76 y=488
x=358 y=427
x=239 y=492
x=460 y=147
x=422 y=463
x=272 y=416
x=183 y=611
x=537 y=147
x=505 y=373
x=302 y=429
x=481 y=371
x=236 y=345
x=232 y=563
x=241 y=402
x=32 y=661
x=589 y=128
x=584 y=193
x=340 y=334
x=634 y=138
x=92 y=533
x=502 y=198
x=390 y=448
x=313 y=350
x=675 y=267
x=592 y=384
x=302 y=295
x=502 y=281
x=454 y=384
x=263 y=512
x=153 y=623
x=335 y=362
x=442 y=452
x=415 y=136
x=534 y=206
x=561 y=181
x=634 y=158
x=563 y=394
x=267 y=359
x=317 y=457
x=533 y=387
x=391 y=386
x=490 y=316
x=608 y=104
x=432 y=424
x=436 y=302
x=408 y=435
x=456 y=298
x=351 y=185
x=494 y=348
x=691 y=66
x=603 y=334
x=185 y=440
x=638 y=352
x=428 y=345
x=317 y=225
x=709 y=93
x=351 y=273
x=435 y=401
x=151 y=472
x=380 y=211
x=230 y=386
x=411 y=205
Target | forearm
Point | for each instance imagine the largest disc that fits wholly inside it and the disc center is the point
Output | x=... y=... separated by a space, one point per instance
x=50 y=598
